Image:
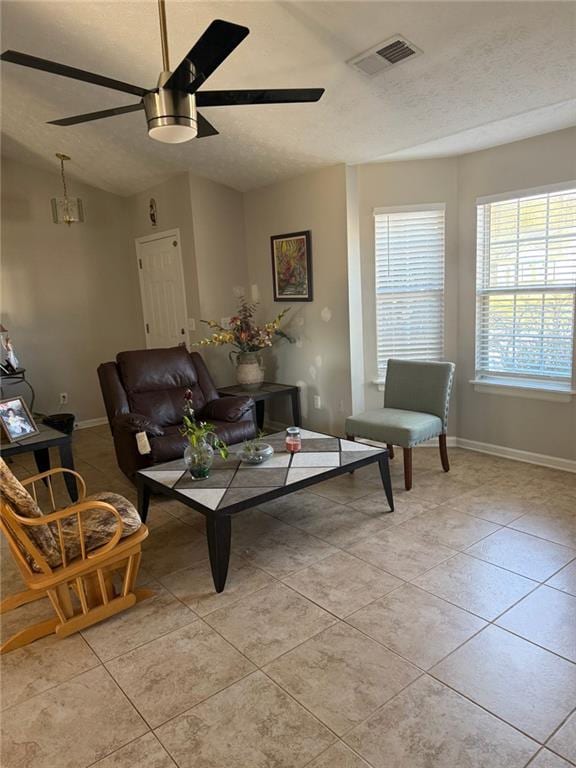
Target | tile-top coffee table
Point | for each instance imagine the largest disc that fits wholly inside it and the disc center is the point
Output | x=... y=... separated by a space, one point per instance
x=234 y=486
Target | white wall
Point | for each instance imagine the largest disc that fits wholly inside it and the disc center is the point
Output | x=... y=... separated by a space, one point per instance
x=69 y=294
x=320 y=360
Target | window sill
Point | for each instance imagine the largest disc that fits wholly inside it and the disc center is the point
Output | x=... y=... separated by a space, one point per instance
x=379 y=384
x=522 y=388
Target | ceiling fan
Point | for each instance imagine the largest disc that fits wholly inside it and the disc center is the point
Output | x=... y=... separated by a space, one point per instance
x=170 y=108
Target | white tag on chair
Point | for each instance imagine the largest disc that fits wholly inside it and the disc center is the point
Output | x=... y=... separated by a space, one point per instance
x=143 y=443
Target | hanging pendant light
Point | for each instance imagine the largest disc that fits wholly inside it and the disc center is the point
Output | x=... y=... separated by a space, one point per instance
x=66 y=210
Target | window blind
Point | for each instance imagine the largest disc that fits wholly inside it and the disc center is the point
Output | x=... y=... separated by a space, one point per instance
x=526 y=287
x=409 y=284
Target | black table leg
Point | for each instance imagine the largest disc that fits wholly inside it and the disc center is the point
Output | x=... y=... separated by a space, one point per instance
x=260 y=414
x=143 y=498
x=42 y=459
x=67 y=461
x=218 y=530
x=296 y=415
x=386 y=479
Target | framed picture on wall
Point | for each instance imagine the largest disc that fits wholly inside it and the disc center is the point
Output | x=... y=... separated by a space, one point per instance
x=16 y=420
x=292 y=266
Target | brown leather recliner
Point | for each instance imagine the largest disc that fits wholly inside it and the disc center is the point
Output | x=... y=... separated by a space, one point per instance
x=144 y=392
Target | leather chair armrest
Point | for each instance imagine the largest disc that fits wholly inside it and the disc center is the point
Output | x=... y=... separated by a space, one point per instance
x=136 y=422
x=226 y=409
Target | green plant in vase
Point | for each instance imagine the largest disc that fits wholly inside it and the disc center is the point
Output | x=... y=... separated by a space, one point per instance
x=256 y=451
x=202 y=442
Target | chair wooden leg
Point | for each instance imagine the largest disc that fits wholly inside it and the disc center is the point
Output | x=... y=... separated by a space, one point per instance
x=408 y=468
x=444 y=453
x=22 y=598
x=28 y=635
x=390 y=450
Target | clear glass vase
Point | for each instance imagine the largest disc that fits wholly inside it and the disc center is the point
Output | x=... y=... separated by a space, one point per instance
x=198 y=459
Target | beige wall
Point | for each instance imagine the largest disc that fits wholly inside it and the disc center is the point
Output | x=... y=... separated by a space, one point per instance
x=173 y=212
x=220 y=244
x=526 y=424
x=522 y=423
x=210 y=218
x=320 y=360
x=407 y=183
x=69 y=294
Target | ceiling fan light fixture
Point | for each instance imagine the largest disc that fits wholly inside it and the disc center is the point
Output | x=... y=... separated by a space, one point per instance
x=174 y=133
x=171 y=116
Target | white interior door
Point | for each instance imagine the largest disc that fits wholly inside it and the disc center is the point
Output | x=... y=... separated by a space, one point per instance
x=162 y=289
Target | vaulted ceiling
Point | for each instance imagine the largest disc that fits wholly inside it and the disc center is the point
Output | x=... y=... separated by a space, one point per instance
x=490 y=72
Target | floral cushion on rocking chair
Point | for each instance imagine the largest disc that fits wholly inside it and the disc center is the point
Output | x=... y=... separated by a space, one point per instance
x=98 y=525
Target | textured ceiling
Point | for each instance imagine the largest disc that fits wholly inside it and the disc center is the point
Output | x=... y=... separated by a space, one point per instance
x=491 y=72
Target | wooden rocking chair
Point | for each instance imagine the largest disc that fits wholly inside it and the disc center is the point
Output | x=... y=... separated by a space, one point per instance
x=81 y=588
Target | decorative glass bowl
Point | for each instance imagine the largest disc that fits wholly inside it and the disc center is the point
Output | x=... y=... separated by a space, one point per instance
x=257 y=453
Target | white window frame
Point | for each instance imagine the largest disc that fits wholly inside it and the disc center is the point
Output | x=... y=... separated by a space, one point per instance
x=380 y=378
x=519 y=385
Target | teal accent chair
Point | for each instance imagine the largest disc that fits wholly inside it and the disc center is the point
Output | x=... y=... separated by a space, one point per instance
x=416 y=401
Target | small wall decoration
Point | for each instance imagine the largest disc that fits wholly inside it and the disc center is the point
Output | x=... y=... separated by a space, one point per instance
x=152 y=212
x=16 y=419
x=292 y=266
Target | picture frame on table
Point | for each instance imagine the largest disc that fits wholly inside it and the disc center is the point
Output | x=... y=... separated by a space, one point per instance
x=16 y=420
x=292 y=266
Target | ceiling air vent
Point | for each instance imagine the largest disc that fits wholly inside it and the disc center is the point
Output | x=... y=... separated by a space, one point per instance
x=384 y=55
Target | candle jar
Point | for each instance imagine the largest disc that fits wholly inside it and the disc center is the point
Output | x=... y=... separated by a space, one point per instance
x=293 y=440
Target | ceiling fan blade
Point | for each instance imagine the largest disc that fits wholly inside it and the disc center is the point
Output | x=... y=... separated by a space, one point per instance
x=215 y=45
x=264 y=96
x=204 y=127
x=97 y=115
x=24 y=60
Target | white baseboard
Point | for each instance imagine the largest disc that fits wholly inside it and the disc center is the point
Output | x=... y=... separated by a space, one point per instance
x=86 y=423
x=554 y=462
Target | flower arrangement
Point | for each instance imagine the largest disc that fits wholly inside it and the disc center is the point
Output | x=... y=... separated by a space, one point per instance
x=199 y=432
x=243 y=333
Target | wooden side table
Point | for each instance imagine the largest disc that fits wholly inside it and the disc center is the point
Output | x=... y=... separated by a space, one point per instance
x=40 y=445
x=267 y=391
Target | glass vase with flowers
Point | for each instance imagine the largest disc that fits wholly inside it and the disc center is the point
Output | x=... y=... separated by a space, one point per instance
x=202 y=442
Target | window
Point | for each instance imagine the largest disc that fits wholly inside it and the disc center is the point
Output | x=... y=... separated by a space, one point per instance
x=409 y=283
x=526 y=285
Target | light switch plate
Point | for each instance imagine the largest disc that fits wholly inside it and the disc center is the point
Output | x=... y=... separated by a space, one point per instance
x=191 y=324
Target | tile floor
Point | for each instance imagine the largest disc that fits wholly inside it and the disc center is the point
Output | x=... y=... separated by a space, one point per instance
x=440 y=636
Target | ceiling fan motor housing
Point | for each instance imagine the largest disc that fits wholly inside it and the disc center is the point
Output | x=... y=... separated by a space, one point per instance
x=171 y=114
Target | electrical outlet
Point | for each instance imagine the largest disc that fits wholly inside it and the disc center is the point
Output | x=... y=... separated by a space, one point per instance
x=63 y=398
x=317 y=402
